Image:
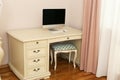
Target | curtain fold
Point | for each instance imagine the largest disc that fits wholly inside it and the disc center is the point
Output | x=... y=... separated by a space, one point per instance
x=109 y=51
x=90 y=37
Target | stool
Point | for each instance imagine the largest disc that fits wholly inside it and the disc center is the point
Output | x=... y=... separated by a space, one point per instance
x=63 y=47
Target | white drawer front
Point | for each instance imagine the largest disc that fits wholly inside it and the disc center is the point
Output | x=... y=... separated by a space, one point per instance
x=34 y=53
x=37 y=61
x=36 y=44
x=74 y=37
x=36 y=70
x=64 y=38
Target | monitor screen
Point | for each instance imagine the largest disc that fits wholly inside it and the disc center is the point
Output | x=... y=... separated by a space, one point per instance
x=53 y=16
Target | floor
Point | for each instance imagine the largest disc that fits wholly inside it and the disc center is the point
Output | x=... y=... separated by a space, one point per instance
x=64 y=71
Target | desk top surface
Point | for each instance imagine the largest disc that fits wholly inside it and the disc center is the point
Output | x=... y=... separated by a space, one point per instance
x=41 y=34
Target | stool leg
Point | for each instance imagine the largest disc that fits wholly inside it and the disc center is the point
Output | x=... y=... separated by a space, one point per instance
x=69 y=56
x=55 y=59
x=51 y=54
x=75 y=56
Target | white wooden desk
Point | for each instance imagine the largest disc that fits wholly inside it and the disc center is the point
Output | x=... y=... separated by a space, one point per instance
x=29 y=50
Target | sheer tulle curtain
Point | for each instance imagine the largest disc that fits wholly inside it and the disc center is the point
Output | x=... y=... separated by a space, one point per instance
x=109 y=49
x=89 y=50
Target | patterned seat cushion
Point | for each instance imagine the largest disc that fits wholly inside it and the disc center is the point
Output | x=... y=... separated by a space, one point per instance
x=63 y=46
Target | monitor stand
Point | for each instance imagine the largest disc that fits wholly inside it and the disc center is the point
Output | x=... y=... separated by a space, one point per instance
x=57 y=30
x=53 y=29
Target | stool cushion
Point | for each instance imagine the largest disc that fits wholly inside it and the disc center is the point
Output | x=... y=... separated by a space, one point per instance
x=63 y=46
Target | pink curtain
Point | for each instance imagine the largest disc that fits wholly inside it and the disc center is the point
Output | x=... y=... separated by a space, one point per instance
x=90 y=38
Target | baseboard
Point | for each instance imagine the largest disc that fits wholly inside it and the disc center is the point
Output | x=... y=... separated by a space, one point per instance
x=4 y=66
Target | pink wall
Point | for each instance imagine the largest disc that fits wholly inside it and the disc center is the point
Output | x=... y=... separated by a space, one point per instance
x=20 y=14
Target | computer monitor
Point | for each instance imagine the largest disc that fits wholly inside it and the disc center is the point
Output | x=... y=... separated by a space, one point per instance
x=53 y=18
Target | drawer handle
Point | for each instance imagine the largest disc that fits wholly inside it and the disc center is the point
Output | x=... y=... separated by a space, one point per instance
x=37 y=42
x=36 y=70
x=67 y=37
x=36 y=51
x=36 y=60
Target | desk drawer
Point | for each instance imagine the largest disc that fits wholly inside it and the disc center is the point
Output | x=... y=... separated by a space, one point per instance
x=37 y=61
x=64 y=38
x=36 y=44
x=38 y=70
x=34 y=53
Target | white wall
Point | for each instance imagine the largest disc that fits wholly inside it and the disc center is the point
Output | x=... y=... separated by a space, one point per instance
x=75 y=15
x=20 y=14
